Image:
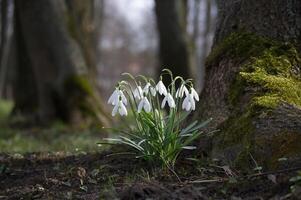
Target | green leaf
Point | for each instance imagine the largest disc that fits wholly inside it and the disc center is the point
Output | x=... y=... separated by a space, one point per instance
x=189 y=147
x=186 y=130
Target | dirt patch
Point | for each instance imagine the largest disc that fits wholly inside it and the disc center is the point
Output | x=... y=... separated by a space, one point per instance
x=104 y=176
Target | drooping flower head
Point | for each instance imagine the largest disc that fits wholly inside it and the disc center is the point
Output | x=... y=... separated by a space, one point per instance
x=146 y=88
x=170 y=101
x=160 y=87
x=181 y=91
x=189 y=101
x=119 y=108
x=153 y=91
x=115 y=96
x=138 y=92
x=144 y=103
x=194 y=94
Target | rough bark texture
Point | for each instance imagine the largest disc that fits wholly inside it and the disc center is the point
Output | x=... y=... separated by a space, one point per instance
x=174 y=43
x=57 y=61
x=252 y=80
x=82 y=28
x=279 y=20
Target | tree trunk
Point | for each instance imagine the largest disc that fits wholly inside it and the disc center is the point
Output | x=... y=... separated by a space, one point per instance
x=57 y=61
x=174 y=43
x=253 y=85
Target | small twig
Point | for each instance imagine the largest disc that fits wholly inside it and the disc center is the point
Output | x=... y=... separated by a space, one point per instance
x=174 y=173
x=210 y=180
x=272 y=172
x=247 y=176
x=121 y=153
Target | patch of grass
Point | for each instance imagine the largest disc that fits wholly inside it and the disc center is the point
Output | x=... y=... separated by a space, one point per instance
x=59 y=137
x=46 y=140
x=5 y=108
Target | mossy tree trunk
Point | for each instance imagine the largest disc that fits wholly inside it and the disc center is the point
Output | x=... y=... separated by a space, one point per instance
x=253 y=83
x=53 y=63
x=174 y=44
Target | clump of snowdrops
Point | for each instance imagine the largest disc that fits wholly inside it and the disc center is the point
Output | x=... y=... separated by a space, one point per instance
x=157 y=135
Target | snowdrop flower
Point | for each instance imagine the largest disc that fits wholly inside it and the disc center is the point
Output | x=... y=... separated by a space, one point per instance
x=194 y=94
x=120 y=108
x=146 y=88
x=114 y=98
x=153 y=91
x=160 y=87
x=144 y=103
x=138 y=92
x=168 y=98
x=180 y=92
x=188 y=103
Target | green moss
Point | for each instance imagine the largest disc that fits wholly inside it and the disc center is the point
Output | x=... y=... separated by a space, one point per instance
x=236 y=129
x=269 y=75
x=82 y=94
x=79 y=83
x=242 y=45
x=270 y=66
x=273 y=74
x=237 y=135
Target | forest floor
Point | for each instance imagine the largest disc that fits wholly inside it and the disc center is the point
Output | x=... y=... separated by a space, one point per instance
x=76 y=168
x=107 y=176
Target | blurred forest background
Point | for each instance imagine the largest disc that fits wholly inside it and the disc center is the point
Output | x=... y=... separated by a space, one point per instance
x=60 y=60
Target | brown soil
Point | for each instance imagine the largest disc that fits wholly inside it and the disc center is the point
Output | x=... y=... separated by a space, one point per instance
x=99 y=176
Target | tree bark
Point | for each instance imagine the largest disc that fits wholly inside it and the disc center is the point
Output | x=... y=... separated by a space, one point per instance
x=57 y=61
x=174 y=43
x=252 y=83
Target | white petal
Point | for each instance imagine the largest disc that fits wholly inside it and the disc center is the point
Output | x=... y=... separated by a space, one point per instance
x=185 y=102
x=146 y=88
x=170 y=101
x=122 y=110
x=140 y=106
x=138 y=92
x=160 y=87
x=191 y=100
x=115 y=109
x=181 y=91
x=113 y=96
x=123 y=98
x=185 y=90
x=153 y=91
x=164 y=102
x=147 y=106
x=177 y=93
x=195 y=94
x=164 y=91
x=188 y=106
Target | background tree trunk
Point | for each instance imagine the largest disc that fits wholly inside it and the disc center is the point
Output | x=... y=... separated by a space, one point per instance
x=252 y=86
x=174 y=43
x=55 y=58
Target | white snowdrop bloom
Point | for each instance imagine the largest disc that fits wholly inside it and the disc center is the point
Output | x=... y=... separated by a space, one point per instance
x=114 y=98
x=123 y=99
x=194 y=94
x=120 y=108
x=188 y=103
x=144 y=103
x=152 y=91
x=146 y=88
x=170 y=101
x=138 y=92
x=181 y=91
x=160 y=87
